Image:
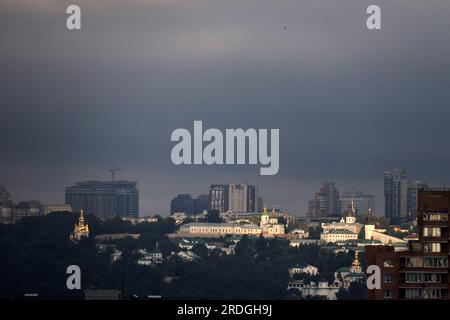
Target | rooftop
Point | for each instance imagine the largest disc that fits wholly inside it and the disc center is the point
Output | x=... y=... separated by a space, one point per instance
x=302 y=266
x=229 y=225
x=339 y=231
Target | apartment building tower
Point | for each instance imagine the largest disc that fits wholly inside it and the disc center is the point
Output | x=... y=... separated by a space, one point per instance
x=422 y=271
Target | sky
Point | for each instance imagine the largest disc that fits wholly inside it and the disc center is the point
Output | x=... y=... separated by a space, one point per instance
x=350 y=103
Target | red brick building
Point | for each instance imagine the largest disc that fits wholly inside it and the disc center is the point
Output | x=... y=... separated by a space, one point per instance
x=422 y=271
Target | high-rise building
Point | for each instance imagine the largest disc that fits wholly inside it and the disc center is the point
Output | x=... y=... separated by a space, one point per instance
x=6 y=211
x=201 y=203
x=237 y=198
x=396 y=194
x=325 y=202
x=233 y=197
x=218 y=195
x=252 y=194
x=400 y=195
x=413 y=188
x=6 y=207
x=421 y=272
x=4 y=195
x=363 y=203
x=104 y=199
x=182 y=203
x=27 y=209
x=260 y=204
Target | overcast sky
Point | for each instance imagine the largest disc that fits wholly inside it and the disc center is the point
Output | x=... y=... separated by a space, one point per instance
x=349 y=102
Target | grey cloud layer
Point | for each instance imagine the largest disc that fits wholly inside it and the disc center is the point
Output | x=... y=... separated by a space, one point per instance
x=348 y=102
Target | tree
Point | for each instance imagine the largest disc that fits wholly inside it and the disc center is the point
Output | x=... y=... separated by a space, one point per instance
x=362 y=233
x=262 y=244
x=187 y=220
x=356 y=291
x=244 y=247
x=213 y=216
x=35 y=253
x=294 y=294
x=314 y=233
x=201 y=250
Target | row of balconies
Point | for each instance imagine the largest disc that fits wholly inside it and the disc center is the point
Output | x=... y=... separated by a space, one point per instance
x=404 y=285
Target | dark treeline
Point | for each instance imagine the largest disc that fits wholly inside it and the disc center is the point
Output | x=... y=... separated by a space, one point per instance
x=35 y=253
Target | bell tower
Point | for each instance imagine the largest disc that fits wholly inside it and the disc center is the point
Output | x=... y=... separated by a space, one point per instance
x=264 y=218
x=81 y=228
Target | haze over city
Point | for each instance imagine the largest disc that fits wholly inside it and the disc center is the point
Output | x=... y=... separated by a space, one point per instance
x=348 y=103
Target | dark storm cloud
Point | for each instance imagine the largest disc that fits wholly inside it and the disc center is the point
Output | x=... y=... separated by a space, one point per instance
x=349 y=103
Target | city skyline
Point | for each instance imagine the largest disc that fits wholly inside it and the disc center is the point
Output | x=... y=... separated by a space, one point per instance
x=350 y=103
x=223 y=158
x=341 y=202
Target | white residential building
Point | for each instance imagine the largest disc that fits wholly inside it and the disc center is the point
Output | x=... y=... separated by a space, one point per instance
x=205 y=229
x=137 y=220
x=321 y=289
x=178 y=217
x=187 y=256
x=338 y=236
x=300 y=233
x=268 y=227
x=296 y=243
x=346 y=229
x=371 y=233
x=150 y=258
x=49 y=208
x=309 y=269
x=115 y=256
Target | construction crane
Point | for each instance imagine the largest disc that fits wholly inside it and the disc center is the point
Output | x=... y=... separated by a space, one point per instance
x=113 y=171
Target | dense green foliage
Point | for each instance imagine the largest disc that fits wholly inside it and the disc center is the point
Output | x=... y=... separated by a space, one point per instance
x=356 y=291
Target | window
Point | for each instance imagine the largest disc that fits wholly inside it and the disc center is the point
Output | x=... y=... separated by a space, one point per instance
x=416 y=246
x=432 y=293
x=387 y=294
x=387 y=278
x=414 y=262
x=435 y=262
x=388 y=264
x=433 y=277
x=414 y=278
x=435 y=217
x=431 y=232
x=432 y=247
x=412 y=293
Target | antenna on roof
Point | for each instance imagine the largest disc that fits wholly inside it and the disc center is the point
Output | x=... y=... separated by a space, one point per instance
x=113 y=171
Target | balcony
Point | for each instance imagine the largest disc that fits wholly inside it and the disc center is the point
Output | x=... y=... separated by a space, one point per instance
x=440 y=270
x=404 y=285
x=441 y=239
x=433 y=219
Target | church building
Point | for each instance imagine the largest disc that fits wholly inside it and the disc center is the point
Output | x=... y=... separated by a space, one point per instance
x=81 y=229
